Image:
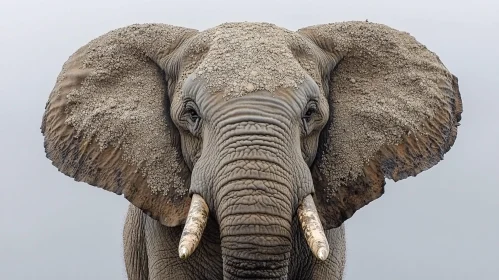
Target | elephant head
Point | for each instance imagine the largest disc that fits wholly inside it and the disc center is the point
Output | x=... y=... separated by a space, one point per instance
x=255 y=123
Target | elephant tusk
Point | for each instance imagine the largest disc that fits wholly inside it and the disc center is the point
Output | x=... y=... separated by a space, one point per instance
x=312 y=228
x=194 y=227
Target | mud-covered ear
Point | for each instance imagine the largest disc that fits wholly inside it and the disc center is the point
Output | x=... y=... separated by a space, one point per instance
x=394 y=112
x=106 y=122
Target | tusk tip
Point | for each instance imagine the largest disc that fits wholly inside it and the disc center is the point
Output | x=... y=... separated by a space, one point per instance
x=183 y=252
x=322 y=254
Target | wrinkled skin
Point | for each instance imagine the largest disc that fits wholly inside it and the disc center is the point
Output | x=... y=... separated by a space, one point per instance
x=253 y=151
x=142 y=111
x=151 y=252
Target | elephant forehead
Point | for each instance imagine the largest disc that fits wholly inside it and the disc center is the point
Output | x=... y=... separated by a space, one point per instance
x=249 y=57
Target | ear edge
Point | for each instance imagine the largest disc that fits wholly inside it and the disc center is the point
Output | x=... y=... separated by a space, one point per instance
x=444 y=126
x=84 y=160
x=339 y=205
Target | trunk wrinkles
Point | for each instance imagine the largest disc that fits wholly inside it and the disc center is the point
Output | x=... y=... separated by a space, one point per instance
x=254 y=203
x=254 y=195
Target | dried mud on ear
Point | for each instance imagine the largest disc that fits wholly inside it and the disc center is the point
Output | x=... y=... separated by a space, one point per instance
x=104 y=122
x=395 y=109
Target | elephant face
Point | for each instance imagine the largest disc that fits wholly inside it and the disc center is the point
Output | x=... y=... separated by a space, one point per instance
x=238 y=106
x=231 y=67
x=253 y=121
x=279 y=131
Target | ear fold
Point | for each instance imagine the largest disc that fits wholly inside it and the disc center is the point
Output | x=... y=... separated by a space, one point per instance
x=394 y=109
x=105 y=121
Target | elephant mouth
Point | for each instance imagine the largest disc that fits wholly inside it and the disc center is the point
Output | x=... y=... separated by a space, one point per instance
x=307 y=214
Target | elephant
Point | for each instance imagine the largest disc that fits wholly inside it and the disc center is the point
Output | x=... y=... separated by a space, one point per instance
x=244 y=148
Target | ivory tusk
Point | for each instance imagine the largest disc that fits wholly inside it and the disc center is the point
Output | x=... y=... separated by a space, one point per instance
x=312 y=228
x=194 y=227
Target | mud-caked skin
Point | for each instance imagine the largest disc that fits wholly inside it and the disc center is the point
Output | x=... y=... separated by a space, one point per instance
x=253 y=120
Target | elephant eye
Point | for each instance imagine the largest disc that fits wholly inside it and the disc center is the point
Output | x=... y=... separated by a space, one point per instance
x=191 y=116
x=310 y=111
x=308 y=117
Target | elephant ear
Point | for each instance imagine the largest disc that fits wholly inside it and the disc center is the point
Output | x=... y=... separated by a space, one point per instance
x=394 y=112
x=107 y=123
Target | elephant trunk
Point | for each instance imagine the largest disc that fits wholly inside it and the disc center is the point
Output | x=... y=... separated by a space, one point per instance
x=255 y=199
x=255 y=231
x=257 y=175
x=256 y=188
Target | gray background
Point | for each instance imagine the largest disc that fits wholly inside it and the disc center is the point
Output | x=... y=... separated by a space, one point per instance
x=441 y=224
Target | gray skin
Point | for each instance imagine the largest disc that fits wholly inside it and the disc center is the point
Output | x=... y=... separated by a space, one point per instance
x=151 y=253
x=328 y=111
x=253 y=168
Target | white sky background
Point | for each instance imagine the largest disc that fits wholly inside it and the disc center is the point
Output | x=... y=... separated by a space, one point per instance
x=441 y=224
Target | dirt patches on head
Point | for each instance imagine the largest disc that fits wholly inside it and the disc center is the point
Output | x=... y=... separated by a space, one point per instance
x=238 y=58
